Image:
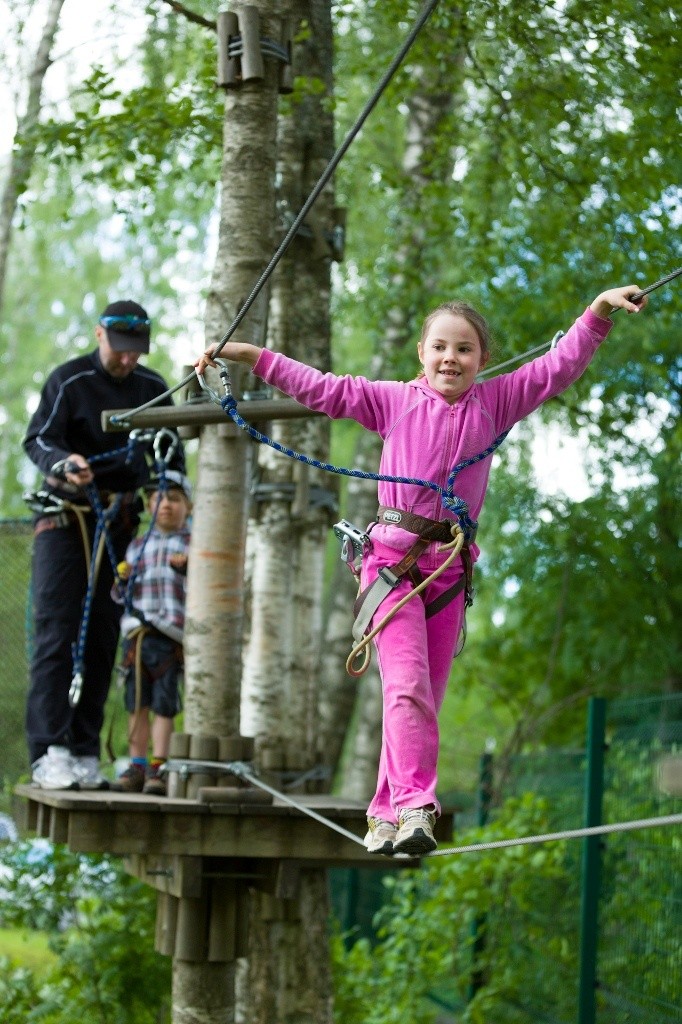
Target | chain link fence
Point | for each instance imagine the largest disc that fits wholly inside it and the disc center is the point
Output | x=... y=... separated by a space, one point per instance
x=15 y=635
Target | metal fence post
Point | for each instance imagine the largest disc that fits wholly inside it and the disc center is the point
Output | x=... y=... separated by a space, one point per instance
x=485 y=787
x=591 y=861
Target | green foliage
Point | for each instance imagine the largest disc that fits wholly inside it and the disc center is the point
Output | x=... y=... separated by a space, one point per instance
x=24 y=947
x=101 y=923
x=496 y=933
x=427 y=928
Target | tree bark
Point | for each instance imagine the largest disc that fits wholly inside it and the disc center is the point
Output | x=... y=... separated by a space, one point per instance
x=203 y=993
x=289 y=968
x=215 y=600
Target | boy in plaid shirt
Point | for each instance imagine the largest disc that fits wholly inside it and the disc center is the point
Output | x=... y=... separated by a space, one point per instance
x=152 y=629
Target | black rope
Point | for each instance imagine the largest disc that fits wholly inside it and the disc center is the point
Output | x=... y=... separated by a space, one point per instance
x=305 y=209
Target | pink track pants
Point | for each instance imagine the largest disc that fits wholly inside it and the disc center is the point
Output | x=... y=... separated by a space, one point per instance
x=415 y=657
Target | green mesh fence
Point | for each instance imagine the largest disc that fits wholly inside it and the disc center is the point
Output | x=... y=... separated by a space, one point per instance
x=639 y=966
x=15 y=559
x=533 y=945
x=536 y=942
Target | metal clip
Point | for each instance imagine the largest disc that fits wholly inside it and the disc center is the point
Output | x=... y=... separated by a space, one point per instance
x=141 y=435
x=75 y=690
x=43 y=503
x=354 y=543
x=224 y=377
x=159 y=436
x=63 y=467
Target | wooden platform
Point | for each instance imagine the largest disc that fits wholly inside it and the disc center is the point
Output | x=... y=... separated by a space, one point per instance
x=213 y=859
x=126 y=824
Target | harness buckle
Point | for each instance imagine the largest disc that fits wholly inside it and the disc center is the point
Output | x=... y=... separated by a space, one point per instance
x=389 y=577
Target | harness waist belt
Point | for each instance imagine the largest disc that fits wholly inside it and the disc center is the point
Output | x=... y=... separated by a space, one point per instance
x=429 y=529
x=63 y=486
x=57 y=521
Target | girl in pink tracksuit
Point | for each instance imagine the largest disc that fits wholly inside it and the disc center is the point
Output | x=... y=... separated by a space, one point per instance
x=428 y=426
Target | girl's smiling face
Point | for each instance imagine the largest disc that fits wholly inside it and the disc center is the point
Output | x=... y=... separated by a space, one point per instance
x=451 y=355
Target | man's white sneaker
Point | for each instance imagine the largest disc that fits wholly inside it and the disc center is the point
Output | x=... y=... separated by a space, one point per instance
x=380 y=836
x=415 y=831
x=87 y=772
x=55 y=770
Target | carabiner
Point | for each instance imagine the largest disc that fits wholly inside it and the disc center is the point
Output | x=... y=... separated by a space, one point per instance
x=224 y=377
x=75 y=690
x=159 y=436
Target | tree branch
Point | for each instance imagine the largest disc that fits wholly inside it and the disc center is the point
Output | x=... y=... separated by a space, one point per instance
x=190 y=15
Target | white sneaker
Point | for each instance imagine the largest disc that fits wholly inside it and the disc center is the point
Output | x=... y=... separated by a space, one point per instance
x=415 y=831
x=88 y=774
x=55 y=770
x=380 y=836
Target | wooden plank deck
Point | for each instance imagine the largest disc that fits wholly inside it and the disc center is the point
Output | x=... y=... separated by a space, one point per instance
x=127 y=824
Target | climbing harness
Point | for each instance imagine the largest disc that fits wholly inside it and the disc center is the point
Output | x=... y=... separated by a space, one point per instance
x=390 y=577
x=57 y=512
x=133 y=660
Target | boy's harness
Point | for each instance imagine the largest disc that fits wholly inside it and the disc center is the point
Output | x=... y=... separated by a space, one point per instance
x=390 y=576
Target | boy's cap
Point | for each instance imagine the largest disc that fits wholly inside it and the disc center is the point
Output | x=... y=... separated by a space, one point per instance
x=127 y=325
x=172 y=478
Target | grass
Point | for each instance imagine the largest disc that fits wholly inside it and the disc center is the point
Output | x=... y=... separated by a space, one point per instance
x=27 y=948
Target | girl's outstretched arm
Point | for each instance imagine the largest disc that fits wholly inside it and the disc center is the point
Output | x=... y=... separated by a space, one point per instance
x=235 y=351
x=618 y=298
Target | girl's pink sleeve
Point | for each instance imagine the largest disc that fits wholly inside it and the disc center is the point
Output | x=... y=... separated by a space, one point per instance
x=512 y=396
x=341 y=397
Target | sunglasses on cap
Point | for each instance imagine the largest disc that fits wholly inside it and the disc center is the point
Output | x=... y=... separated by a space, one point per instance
x=128 y=324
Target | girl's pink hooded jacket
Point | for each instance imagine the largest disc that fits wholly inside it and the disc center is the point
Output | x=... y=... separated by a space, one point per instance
x=425 y=437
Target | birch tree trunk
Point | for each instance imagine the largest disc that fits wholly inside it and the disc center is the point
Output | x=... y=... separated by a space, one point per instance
x=289 y=971
x=215 y=599
x=20 y=164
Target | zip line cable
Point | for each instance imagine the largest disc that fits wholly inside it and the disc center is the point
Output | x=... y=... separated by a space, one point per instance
x=547 y=344
x=305 y=209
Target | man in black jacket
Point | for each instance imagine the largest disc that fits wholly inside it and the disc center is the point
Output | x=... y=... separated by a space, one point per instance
x=66 y=441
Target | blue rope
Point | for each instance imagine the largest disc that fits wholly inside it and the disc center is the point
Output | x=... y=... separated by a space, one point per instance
x=103 y=518
x=457 y=506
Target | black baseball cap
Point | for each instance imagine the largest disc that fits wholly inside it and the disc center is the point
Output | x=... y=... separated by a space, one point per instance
x=127 y=325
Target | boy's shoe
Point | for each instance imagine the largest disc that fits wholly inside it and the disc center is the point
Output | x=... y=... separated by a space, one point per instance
x=155 y=780
x=415 y=831
x=380 y=836
x=88 y=773
x=56 y=769
x=131 y=780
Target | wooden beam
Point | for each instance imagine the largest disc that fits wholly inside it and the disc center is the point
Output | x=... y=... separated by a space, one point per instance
x=200 y=414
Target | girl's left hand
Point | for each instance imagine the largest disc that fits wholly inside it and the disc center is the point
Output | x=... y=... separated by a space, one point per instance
x=618 y=298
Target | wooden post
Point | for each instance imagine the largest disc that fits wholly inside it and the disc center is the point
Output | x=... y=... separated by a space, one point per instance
x=201 y=748
x=179 y=747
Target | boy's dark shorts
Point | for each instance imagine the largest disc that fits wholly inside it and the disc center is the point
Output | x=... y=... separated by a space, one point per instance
x=159 y=691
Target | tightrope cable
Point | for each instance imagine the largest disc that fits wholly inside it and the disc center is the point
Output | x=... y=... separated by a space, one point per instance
x=552 y=837
x=243 y=771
